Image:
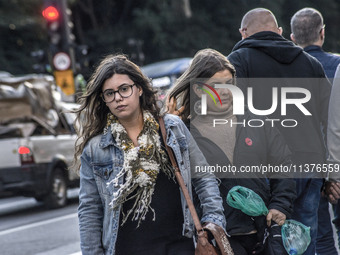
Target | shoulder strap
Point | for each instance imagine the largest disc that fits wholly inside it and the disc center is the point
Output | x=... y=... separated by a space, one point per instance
x=180 y=180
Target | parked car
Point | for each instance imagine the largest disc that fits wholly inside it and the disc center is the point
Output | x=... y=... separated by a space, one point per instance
x=36 y=140
x=165 y=73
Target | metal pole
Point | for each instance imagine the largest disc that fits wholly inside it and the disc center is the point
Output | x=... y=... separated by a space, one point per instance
x=69 y=45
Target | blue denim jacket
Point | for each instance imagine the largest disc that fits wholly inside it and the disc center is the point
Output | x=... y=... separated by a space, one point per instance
x=102 y=160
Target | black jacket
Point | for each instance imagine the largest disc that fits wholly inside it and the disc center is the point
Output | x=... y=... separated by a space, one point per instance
x=269 y=55
x=267 y=147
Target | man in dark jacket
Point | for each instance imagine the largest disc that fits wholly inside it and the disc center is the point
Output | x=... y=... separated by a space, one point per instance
x=308 y=31
x=264 y=53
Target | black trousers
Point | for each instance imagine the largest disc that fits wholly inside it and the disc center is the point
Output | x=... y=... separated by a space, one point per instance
x=243 y=244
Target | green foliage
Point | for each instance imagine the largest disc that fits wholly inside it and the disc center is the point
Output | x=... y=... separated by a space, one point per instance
x=21 y=31
x=161 y=30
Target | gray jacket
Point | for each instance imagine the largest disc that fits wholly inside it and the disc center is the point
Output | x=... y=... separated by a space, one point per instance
x=102 y=160
x=333 y=131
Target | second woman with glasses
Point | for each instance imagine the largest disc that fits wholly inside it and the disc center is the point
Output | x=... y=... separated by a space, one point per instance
x=129 y=201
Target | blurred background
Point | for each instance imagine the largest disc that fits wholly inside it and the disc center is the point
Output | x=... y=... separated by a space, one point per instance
x=48 y=50
x=146 y=30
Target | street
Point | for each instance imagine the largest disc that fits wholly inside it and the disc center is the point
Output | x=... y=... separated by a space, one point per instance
x=27 y=228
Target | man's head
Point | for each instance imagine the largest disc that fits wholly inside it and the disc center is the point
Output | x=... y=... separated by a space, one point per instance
x=307 y=28
x=258 y=20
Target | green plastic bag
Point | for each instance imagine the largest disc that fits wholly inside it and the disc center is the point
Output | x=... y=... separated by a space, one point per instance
x=295 y=237
x=247 y=201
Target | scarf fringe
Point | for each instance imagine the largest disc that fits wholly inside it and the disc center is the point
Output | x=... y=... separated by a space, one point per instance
x=141 y=167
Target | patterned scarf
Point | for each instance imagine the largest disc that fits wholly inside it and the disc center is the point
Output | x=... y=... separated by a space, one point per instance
x=141 y=166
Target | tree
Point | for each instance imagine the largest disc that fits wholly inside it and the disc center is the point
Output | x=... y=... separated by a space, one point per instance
x=156 y=29
x=21 y=33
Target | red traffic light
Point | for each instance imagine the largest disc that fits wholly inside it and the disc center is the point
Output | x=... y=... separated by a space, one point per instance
x=50 y=13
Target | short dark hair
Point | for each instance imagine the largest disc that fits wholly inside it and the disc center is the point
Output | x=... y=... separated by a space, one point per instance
x=306 y=26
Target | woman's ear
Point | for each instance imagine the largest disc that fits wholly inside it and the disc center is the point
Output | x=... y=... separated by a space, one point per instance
x=197 y=90
x=140 y=91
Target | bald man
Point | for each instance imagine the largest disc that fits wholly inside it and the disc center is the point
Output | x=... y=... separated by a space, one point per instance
x=264 y=53
x=258 y=20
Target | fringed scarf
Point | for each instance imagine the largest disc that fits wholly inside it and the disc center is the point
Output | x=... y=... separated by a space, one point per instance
x=141 y=166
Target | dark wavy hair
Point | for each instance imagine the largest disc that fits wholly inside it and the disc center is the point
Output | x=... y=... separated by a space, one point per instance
x=92 y=114
x=204 y=65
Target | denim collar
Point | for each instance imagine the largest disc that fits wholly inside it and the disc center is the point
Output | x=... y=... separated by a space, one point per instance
x=107 y=139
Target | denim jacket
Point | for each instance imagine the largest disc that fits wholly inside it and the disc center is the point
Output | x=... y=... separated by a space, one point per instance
x=102 y=160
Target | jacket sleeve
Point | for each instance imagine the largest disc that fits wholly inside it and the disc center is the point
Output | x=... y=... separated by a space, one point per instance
x=205 y=185
x=324 y=97
x=333 y=131
x=282 y=185
x=90 y=211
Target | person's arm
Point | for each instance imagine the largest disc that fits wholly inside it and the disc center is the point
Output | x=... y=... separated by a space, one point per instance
x=282 y=186
x=205 y=185
x=90 y=211
x=333 y=140
x=324 y=95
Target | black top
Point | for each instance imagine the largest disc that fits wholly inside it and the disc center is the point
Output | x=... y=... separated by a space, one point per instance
x=153 y=237
x=267 y=147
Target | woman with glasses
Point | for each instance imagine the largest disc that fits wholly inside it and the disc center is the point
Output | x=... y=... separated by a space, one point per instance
x=230 y=143
x=129 y=202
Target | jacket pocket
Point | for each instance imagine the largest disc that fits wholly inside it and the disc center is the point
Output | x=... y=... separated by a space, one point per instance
x=103 y=175
x=183 y=144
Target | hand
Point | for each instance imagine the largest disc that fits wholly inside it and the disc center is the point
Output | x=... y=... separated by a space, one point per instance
x=171 y=106
x=276 y=216
x=332 y=190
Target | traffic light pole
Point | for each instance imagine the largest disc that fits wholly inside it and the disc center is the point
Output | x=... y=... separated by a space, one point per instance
x=61 y=47
x=69 y=44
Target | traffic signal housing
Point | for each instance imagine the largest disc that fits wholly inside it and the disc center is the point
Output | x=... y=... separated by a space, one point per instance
x=61 y=43
x=54 y=20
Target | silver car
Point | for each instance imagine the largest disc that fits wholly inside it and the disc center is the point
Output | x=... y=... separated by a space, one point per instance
x=36 y=140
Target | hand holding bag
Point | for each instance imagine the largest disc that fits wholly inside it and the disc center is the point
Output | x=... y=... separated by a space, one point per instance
x=204 y=247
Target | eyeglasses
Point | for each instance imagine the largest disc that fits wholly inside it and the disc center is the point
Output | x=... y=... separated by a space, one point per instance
x=124 y=91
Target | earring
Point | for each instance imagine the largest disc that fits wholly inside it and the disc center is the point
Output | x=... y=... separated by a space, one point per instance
x=198 y=107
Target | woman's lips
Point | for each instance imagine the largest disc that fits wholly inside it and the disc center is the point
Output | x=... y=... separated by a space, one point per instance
x=121 y=107
x=225 y=100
